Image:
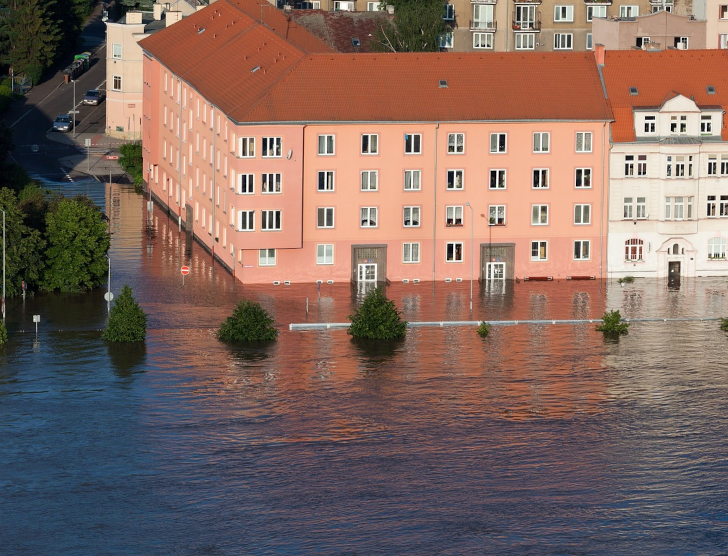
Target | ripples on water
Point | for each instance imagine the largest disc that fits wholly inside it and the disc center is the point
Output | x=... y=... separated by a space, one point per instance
x=540 y=439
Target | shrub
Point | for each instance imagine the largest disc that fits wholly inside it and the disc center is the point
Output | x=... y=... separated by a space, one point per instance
x=127 y=320
x=248 y=323
x=377 y=319
x=484 y=329
x=612 y=323
x=626 y=280
x=3 y=334
x=724 y=324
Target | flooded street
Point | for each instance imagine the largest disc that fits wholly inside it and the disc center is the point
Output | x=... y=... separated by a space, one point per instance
x=542 y=439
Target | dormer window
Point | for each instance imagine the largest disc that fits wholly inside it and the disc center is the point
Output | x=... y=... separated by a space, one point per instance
x=680 y=124
x=650 y=125
x=706 y=125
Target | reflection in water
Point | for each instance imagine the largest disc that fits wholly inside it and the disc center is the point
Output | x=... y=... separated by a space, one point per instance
x=538 y=439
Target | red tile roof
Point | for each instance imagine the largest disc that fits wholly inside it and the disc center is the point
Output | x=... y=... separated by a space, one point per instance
x=292 y=86
x=339 y=28
x=658 y=77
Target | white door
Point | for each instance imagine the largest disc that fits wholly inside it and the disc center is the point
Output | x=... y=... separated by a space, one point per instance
x=367 y=272
x=495 y=271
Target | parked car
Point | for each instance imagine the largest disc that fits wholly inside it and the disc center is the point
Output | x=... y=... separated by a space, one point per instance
x=92 y=97
x=64 y=122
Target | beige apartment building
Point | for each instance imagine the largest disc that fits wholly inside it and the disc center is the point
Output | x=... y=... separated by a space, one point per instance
x=658 y=31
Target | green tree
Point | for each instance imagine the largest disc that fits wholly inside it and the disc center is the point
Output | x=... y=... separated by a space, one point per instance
x=77 y=244
x=29 y=36
x=23 y=247
x=3 y=334
x=132 y=5
x=417 y=27
x=612 y=324
x=248 y=323
x=127 y=320
x=377 y=319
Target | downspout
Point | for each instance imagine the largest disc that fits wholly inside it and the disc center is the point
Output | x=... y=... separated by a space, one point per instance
x=508 y=9
x=179 y=153
x=434 y=212
x=601 y=211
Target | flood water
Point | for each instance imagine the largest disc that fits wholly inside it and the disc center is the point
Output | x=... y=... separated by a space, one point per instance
x=542 y=439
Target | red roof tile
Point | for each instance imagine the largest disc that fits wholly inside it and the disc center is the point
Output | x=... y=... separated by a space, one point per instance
x=339 y=28
x=660 y=76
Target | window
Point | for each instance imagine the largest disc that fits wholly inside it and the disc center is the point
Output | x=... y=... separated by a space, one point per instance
x=270 y=183
x=595 y=11
x=525 y=41
x=678 y=208
x=455 y=179
x=681 y=124
x=454 y=216
x=374 y=6
x=712 y=165
x=563 y=13
x=455 y=143
x=583 y=141
x=246 y=184
x=411 y=217
x=641 y=208
x=117 y=83
x=642 y=165
x=410 y=252
x=271 y=220
x=723 y=11
x=706 y=125
x=369 y=143
x=641 y=42
x=723 y=41
x=497 y=179
x=539 y=215
x=326 y=180
x=723 y=206
x=633 y=250
x=325 y=253
x=497 y=215
x=681 y=43
x=628 y=165
x=454 y=251
x=582 y=214
x=246 y=220
x=498 y=142
x=679 y=166
x=589 y=41
x=541 y=141
x=563 y=41
x=446 y=40
x=650 y=125
x=483 y=40
x=266 y=257
x=413 y=143
x=325 y=217
x=325 y=145
x=369 y=217
x=525 y=19
x=412 y=180
x=483 y=17
x=712 y=212
x=724 y=165
x=246 y=147
x=539 y=250
x=583 y=178
x=540 y=178
x=581 y=250
x=272 y=147
x=629 y=11
x=116 y=51
x=369 y=181
x=449 y=14
x=628 y=211
x=716 y=248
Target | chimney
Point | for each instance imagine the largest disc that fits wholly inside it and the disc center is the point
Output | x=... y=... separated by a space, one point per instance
x=172 y=17
x=157 y=11
x=599 y=52
x=133 y=17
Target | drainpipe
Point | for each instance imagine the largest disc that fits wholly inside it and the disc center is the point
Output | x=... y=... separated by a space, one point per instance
x=601 y=210
x=179 y=154
x=434 y=212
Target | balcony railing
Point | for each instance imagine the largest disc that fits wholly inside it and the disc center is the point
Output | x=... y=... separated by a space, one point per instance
x=599 y=2
x=483 y=1
x=527 y=2
x=489 y=26
x=659 y=2
x=527 y=25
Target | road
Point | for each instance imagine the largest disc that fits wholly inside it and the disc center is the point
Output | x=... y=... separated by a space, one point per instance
x=37 y=148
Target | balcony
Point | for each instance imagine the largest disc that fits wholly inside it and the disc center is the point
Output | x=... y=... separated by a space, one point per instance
x=483 y=1
x=660 y=2
x=485 y=26
x=529 y=2
x=527 y=25
x=598 y=2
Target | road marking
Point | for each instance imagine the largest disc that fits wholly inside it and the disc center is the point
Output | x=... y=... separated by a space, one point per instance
x=35 y=106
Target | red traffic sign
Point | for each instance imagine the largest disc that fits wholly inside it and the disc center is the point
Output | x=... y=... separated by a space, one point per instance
x=185 y=270
x=112 y=157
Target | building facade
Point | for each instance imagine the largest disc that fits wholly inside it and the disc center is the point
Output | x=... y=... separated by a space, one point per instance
x=660 y=30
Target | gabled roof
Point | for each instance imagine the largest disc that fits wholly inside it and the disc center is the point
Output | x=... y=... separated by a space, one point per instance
x=292 y=84
x=659 y=77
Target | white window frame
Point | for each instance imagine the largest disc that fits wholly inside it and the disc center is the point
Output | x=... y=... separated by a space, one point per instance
x=583 y=175
x=454 y=216
x=116 y=82
x=326 y=144
x=563 y=14
x=369 y=180
x=246 y=147
x=271 y=220
x=446 y=40
x=586 y=141
x=411 y=216
x=541 y=142
x=498 y=176
x=411 y=252
x=650 y=125
x=706 y=125
x=498 y=143
x=634 y=249
x=272 y=147
x=497 y=215
x=483 y=41
x=374 y=6
x=271 y=183
x=591 y=9
x=324 y=253
x=629 y=11
x=412 y=176
x=589 y=41
x=116 y=51
x=539 y=215
x=640 y=208
x=629 y=166
x=525 y=41
x=412 y=143
x=325 y=217
x=266 y=258
x=248 y=219
x=581 y=254
x=717 y=248
x=455 y=143
x=582 y=214
x=449 y=14
x=452 y=252
x=563 y=41
x=372 y=143
x=455 y=180
x=246 y=184
x=541 y=249
x=326 y=181
x=540 y=178
x=366 y=214
x=712 y=168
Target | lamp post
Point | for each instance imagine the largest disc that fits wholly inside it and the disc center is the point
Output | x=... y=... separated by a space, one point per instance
x=3 y=300
x=472 y=223
x=73 y=110
x=108 y=287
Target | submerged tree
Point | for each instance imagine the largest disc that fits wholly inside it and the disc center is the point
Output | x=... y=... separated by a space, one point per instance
x=612 y=324
x=377 y=319
x=248 y=323
x=127 y=320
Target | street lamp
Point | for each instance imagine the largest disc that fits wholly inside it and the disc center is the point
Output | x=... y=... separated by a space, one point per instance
x=108 y=287
x=3 y=300
x=73 y=110
x=472 y=222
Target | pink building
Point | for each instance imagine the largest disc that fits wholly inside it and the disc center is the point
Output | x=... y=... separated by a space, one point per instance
x=294 y=164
